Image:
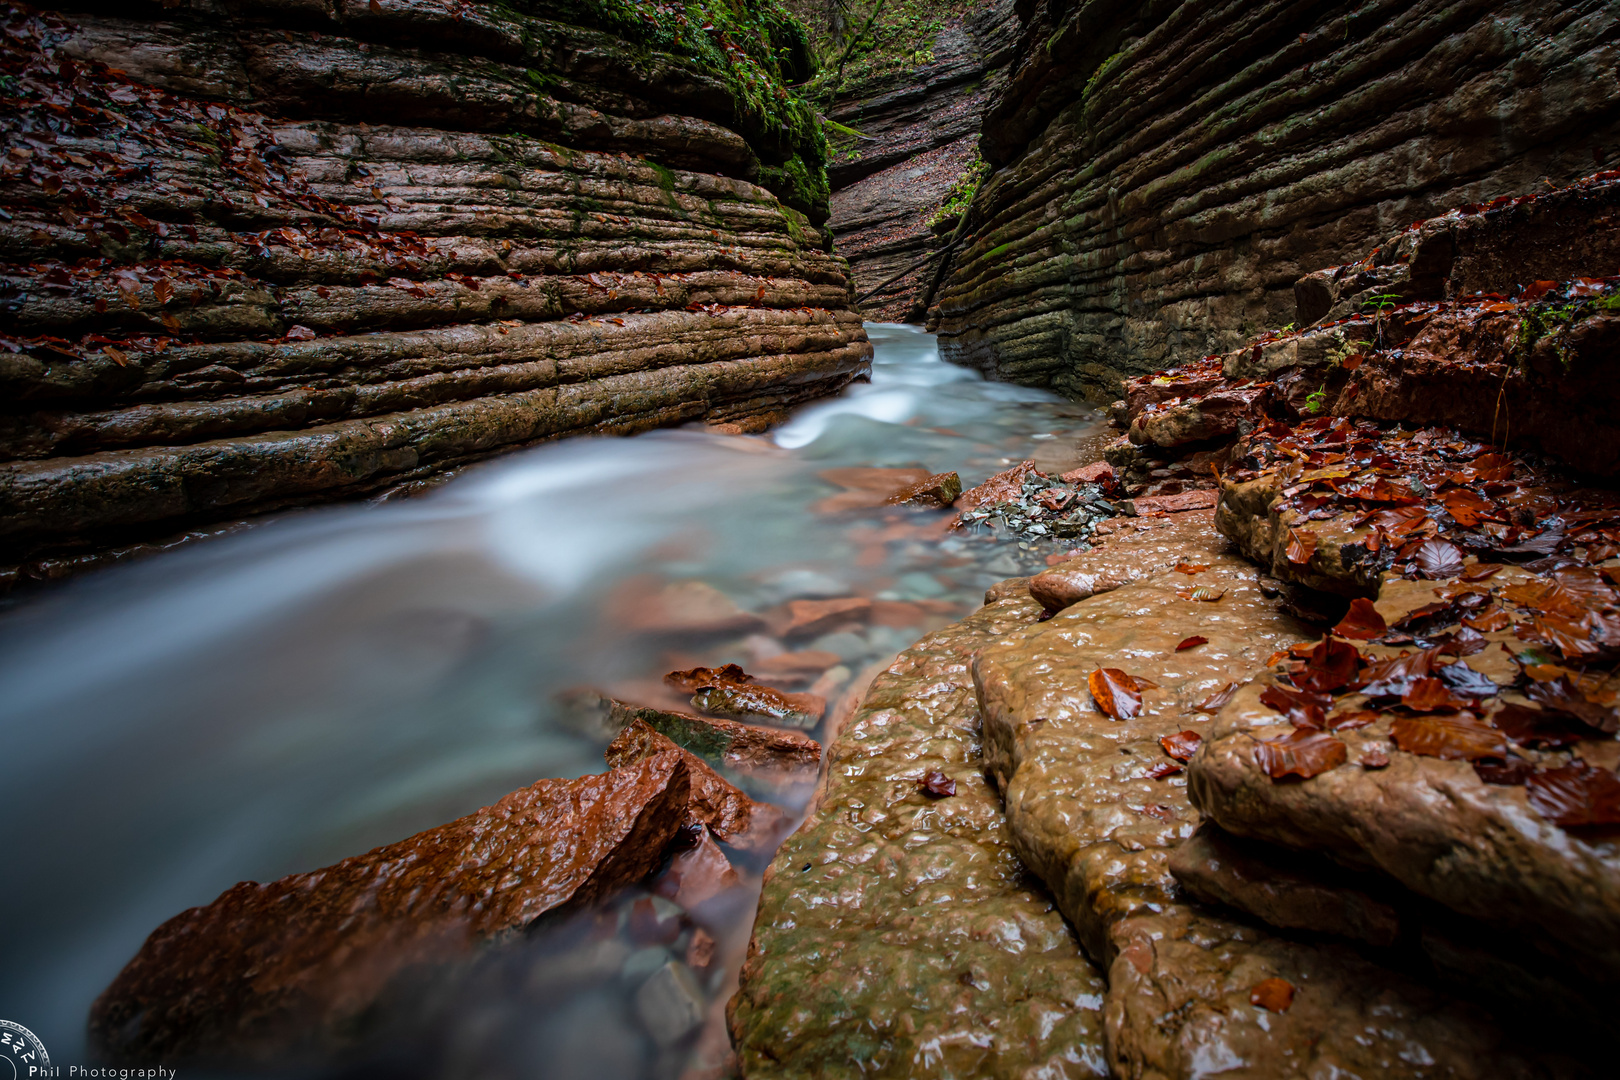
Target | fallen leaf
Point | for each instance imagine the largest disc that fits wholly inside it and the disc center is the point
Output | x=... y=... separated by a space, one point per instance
x=1301 y=546
x=1431 y=695
x=1191 y=568
x=1464 y=680
x=1564 y=696
x=1273 y=995
x=1192 y=643
x=1466 y=508
x=1481 y=571
x=1362 y=621
x=1510 y=773
x=1217 y=698
x=1374 y=756
x=1452 y=738
x=1301 y=752
x=1538 y=727
x=300 y=333
x=1206 y=593
x=1182 y=744
x=936 y=784
x=1489 y=621
x=1577 y=794
x=1302 y=708
x=1116 y=693
x=1348 y=721
x=1161 y=769
x=1163 y=813
x=1437 y=559
x=1331 y=665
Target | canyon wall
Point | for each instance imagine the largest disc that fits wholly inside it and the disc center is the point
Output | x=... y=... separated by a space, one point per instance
x=262 y=253
x=1165 y=172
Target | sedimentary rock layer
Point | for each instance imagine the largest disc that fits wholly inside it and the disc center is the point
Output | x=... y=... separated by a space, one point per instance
x=898 y=934
x=921 y=130
x=1166 y=172
x=278 y=255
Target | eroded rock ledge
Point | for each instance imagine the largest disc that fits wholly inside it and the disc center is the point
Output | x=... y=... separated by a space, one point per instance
x=277 y=255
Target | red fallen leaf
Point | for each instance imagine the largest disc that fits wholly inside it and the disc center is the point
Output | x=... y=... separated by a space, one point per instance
x=1300 y=753
x=1116 y=693
x=1191 y=568
x=1431 y=695
x=1182 y=744
x=1303 y=710
x=1481 y=571
x=1577 y=794
x=1489 y=621
x=1362 y=621
x=1273 y=995
x=1570 y=638
x=117 y=356
x=1163 y=813
x=1437 y=614
x=936 y=784
x=1437 y=559
x=1374 y=757
x=1301 y=546
x=1348 y=721
x=1331 y=665
x=1466 y=508
x=1452 y=738
x=1394 y=676
x=1161 y=769
x=1217 y=698
x=1538 y=727
x=1511 y=773
x=1537 y=289
x=1564 y=696
x=1192 y=643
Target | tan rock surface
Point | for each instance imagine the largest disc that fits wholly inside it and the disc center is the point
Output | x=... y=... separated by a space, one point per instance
x=1088 y=818
x=898 y=935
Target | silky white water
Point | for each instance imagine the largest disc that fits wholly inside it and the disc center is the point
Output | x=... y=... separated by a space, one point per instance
x=276 y=699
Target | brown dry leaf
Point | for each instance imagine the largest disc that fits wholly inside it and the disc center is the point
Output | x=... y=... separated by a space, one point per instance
x=1331 y=665
x=1431 y=695
x=1302 y=708
x=1577 y=794
x=1182 y=744
x=1538 y=727
x=1565 y=696
x=1301 y=546
x=1489 y=620
x=1452 y=738
x=1300 y=753
x=1466 y=508
x=1273 y=995
x=1192 y=643
x=936 y=784
x=1481 y=571
x=1349 y=721
x=1116 y=693
x=1362 y=621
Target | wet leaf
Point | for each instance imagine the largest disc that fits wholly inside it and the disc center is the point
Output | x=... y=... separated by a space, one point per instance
x=1577 y=794
x=1466 y=508
x=1452 y=738
x=1302 y=709
x=1436 y=559
x=1161 y=769
x=1182 y=744
x=1348 y=721
x=1330 y=666
x=1538 y=727
x=1217 y=698
x=1192 y=643
x=1431 y=695
x=1206 y=593
x=1481 y=571
x=1464 y=680
x=936 y=784
x=1116 y=693
x=1489 y=621
x=1300 y=753
x=1571 y=639
x=1301 y=546
x=1564 y=696
x=1510 y=773
x=1273 y=995
x=1394 y=676
x=1362 y=622
x=1191 y=568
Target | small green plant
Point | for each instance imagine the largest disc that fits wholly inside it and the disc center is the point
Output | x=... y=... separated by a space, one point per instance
x=1316 y=401
x=961 y=193
x=1344 y=350
x=1287 y=329
x=1381 y=303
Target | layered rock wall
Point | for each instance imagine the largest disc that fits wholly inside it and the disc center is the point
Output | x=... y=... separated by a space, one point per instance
x=263 y=254
x=1167 y=171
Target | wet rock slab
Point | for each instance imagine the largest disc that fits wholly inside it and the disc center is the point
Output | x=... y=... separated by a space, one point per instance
x=897 y=932
x=271 y=970
x=1095 y=807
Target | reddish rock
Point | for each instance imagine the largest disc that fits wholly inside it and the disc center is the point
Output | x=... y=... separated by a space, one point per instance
x=683 y=607
x=714 y=802
x=698 y=874
x=760 y=704
x=1002 y=487
x=796 y=665
x=1197 y=499
x=941 y=490
x=270 y=969
x=807 y=618
x=1098 y=472
x=723 y=742
x=878 y=481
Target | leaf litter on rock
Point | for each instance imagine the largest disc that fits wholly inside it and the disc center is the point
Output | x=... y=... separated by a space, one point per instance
x=1117 y=694
x=1302 y=752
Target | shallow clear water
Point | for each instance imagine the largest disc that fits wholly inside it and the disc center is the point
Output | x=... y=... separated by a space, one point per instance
x=274 y=700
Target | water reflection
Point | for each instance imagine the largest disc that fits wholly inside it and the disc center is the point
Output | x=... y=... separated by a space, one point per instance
x=277 y=699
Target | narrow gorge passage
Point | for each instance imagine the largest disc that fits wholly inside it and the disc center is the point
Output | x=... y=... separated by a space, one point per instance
x=273 y=701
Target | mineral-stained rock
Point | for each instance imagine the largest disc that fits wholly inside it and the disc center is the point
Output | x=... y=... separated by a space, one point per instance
x=1432 y=824
x=941 y=489
x=269 y=970
x=722 y=742
x=760 y=705
x=420 y=234
x=714 y=802
x=807 y=618
x=1095 y=808
x=1166 y=172
x=897 y=934
x=1002 y=487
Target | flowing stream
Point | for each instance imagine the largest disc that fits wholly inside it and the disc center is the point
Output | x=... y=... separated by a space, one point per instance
x=276 y=699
